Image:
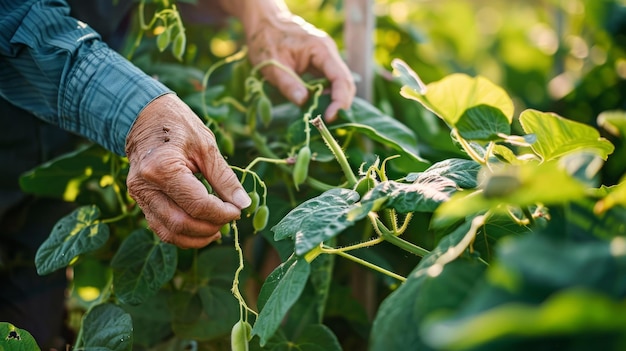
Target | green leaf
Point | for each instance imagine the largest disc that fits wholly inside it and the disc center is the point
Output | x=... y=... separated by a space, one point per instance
x=141 y=266
x=212 y=310
x=427 y=290
x=557 y=136
x=107 y=327
x=526 y=185
x=15 y=339
x=450 y=97
x=426 y=192
x=321 y=277
x=65 y=177
x=77 y=233
x=460 y=171
x=484 y=123
x=151 y=320
x=421 y=196
x=317 y=219
x=317 y=337
x=407 y=76
x=367 y=119
x=282 y=289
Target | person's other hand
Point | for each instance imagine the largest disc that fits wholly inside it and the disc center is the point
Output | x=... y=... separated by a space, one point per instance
x=166 y=146
x=277 y=34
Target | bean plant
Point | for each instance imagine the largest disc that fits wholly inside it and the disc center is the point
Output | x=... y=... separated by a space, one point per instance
x=512 y=243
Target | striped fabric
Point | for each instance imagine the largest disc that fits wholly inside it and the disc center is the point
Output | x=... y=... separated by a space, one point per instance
x=57 y=67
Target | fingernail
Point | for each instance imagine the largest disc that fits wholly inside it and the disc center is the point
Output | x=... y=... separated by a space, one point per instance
x=299 y=95
x=241 y=199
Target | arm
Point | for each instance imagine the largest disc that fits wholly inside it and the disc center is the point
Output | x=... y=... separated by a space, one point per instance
x=57 y=68
x=273 y=32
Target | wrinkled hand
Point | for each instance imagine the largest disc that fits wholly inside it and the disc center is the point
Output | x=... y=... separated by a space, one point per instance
x=168 y=144
x=302 y=47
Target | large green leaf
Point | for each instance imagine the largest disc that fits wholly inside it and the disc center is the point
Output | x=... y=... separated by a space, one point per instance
x=317 y=219
x=141 y=266
x=387 y=130
x=107 y=327
x=281 y=290
x=483 y=122
x=64 y=177
x=77 y=233
x=16 y=339
x=430 y=288
x=450 y=97
x=212 y=310
x=557 y=136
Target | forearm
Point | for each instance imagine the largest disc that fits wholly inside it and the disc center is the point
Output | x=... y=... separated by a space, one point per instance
x=58 y=69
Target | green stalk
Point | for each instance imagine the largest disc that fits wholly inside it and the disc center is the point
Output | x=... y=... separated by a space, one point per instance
x=336 y=150
x=395 y=240
x=371 y=266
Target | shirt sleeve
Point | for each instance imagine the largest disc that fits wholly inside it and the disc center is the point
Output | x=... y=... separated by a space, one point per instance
x=59 y=69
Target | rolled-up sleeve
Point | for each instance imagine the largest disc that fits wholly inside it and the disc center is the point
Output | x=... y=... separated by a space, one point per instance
x=57 y=67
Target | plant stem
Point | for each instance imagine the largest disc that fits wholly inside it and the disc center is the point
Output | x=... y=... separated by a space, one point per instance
x=372 y=242
x=468 y=148
x=336 y=150
x=395 y=240
x=243 y=307
x=371 y=266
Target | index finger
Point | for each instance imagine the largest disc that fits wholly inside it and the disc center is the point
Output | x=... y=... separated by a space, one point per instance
x=336 y=71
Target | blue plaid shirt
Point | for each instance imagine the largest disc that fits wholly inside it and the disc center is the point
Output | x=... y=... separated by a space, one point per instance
x=58 y=68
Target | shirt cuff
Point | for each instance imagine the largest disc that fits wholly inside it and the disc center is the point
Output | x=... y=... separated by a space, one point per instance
x=103 y=94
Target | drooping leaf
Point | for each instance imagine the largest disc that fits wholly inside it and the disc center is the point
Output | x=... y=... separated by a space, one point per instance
x=317 y=219
x=428 y=289
x=387 y=130
x=65 y=176
x=557 y=136
x=16 y=339
x=450 y=97
x=280 y=291
x=141 y=266
x=407 y=76
x=77 y=233
x=483 y=122
x=107 y=327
